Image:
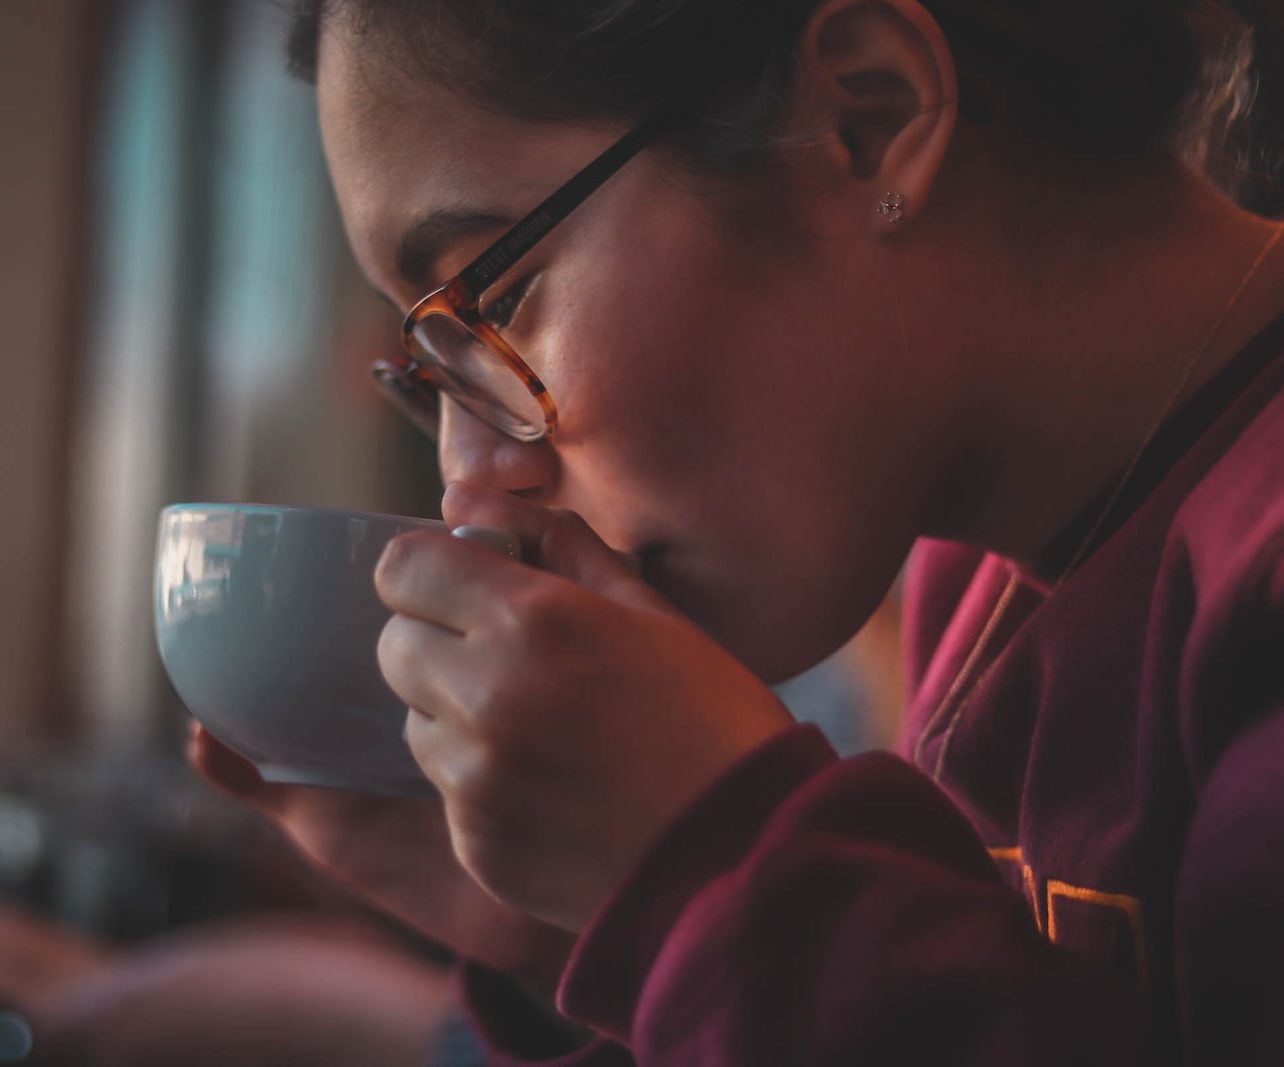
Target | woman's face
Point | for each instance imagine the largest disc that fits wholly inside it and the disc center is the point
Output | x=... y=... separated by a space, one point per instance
x=732 y=407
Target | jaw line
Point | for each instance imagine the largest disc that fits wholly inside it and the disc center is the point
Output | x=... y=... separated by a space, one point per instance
x=642 y=560
x=632 y=560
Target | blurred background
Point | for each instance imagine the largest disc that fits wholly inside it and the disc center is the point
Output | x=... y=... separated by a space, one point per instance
x=180 y=320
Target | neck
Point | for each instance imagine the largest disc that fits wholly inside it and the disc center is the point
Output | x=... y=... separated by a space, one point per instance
x=1070 y=377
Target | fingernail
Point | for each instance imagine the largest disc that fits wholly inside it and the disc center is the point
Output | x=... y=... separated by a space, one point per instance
x=500 y=540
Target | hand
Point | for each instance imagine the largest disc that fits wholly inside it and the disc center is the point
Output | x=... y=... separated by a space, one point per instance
x=396 y=852
x=567 y=713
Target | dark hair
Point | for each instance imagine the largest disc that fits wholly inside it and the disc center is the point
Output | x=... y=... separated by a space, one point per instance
x=1098 y=76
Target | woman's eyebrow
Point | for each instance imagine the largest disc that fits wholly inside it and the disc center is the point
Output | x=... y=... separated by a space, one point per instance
x=428 y=239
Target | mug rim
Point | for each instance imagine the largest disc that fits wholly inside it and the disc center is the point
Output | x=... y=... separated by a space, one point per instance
x=248 y=507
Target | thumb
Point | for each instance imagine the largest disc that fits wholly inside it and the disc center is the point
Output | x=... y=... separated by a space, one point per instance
x=555 y=540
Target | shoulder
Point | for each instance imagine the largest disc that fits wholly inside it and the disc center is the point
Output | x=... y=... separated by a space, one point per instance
x=1224 y=563
x=1231 y=524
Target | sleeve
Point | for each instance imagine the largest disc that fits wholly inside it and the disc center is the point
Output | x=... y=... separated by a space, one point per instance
x=816 y=912
x=850 y=915
x=1229 y=911
x=1229 y=908
x=514 y=1030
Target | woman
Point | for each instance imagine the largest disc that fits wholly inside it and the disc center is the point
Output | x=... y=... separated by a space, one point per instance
x=822 y=280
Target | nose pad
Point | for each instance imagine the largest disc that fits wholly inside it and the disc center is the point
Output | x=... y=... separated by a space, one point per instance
x=471 y=450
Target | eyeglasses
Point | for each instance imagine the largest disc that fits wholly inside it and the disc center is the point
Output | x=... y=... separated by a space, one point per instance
x=451 y=349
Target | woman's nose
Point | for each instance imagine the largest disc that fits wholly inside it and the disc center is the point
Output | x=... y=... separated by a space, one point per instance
x=471 y=450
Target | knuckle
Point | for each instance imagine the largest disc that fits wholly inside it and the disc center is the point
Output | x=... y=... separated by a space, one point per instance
x=396 y=649
x=390 y=570
x=492 y=708
x=535 y=625
x=470 y=776
x=418 y=735
x=540 y=611
x=394 y=573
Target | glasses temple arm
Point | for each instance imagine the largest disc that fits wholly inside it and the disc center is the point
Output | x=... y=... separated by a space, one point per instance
x=519 y=240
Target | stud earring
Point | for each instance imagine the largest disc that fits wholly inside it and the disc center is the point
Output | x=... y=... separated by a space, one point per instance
x=891 y=207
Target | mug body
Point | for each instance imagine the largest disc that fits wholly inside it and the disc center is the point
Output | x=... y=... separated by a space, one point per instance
x=268 y=623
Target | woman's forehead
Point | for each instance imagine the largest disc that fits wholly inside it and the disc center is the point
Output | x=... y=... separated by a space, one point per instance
x=381 y=106
x=370 y=109
x=402 y=148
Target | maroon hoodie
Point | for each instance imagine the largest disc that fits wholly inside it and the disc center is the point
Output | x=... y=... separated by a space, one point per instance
x=1080 y=862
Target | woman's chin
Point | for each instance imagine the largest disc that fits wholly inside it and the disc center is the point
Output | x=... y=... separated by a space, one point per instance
x=763 y=638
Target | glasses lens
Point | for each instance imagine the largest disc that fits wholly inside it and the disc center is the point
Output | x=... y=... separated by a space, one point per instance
x=479 y=378
x=412 y=394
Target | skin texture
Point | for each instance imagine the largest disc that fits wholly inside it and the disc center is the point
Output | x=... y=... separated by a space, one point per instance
x=767 y=392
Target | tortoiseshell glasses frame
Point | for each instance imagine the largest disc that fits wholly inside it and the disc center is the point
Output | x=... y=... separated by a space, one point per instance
x=443 y=330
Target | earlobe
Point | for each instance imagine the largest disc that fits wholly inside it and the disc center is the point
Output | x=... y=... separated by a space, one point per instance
x=884 y=80
x=891 y=206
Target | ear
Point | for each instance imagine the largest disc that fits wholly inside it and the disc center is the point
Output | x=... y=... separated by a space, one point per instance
x=879 y=79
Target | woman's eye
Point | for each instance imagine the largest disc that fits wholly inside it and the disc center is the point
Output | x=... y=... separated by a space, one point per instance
x=500 y=311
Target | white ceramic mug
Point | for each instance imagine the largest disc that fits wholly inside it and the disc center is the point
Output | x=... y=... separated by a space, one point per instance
x=268 y=625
